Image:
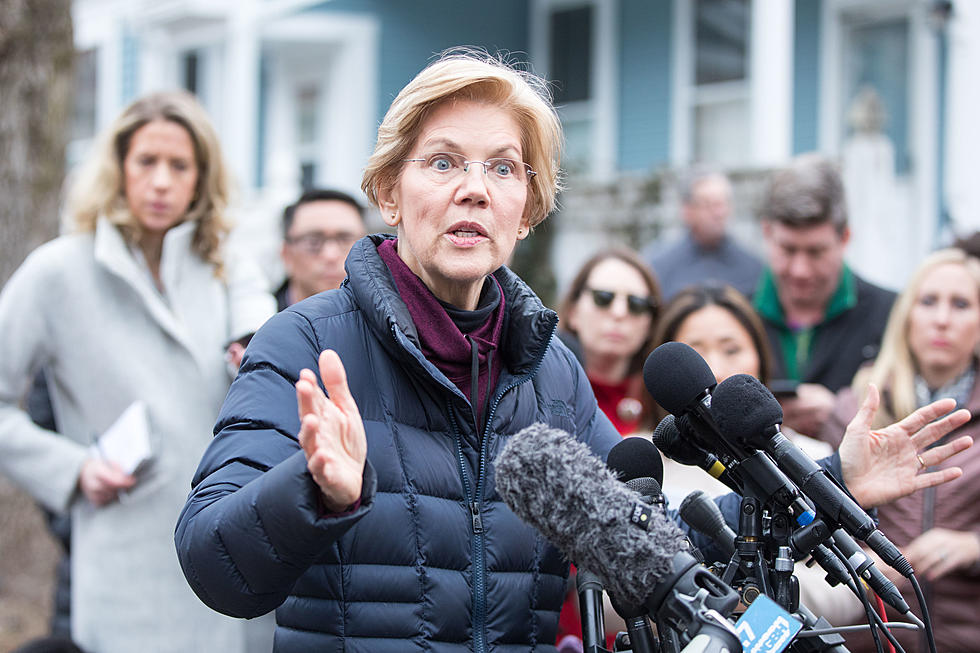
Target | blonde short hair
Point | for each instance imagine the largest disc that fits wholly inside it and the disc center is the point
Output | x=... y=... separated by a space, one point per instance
x=99 y=189
x=465 y=74
x=895 y=367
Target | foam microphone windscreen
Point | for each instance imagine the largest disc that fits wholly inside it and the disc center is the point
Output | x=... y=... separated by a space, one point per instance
x=557 y=485
x=744 y=409
x=675 y=376
x=636 y=457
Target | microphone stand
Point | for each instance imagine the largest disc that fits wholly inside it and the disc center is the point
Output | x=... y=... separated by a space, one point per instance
x=590 y=607
x=756 y=576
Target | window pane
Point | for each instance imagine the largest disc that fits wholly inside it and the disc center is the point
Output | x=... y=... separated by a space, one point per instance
x=571 y=54
x=878 y=60
x=720 y=134
x=306 y=110
x=83 y=114
x=191 y=63
x=721 y=40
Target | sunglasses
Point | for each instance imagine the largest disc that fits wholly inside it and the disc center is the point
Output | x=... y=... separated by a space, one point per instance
x=635 y=304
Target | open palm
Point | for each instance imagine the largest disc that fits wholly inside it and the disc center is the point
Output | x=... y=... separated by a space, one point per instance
x=887 y=464
x=331 y=433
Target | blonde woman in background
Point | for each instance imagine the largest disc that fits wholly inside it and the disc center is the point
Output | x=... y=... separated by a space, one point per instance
x=136 y=309
x=929 y=351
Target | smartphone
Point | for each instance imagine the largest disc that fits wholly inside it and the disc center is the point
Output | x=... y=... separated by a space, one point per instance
x=783 y=388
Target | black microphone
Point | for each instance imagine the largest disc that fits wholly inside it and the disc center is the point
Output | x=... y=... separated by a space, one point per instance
x=681 y=381
x=704 y=516
x=636 y=462
x=554 y=483
x=672 y=437
x=748 y=414
x=636 y=457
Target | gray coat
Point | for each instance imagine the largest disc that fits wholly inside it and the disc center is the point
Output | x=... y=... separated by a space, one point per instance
x=84 y=309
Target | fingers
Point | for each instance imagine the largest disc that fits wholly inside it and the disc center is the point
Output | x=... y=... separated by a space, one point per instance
x=306 y=389
x=938 y=477
x=922 y=417
x=934 y=430
x=308 y=430
x=868 y=408
x=335 y=381
x=936 y=455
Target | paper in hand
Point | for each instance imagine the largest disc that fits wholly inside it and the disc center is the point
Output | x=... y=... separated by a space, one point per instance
x=127 y=441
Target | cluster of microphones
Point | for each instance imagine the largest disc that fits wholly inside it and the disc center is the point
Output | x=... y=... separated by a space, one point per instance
x=609 y=519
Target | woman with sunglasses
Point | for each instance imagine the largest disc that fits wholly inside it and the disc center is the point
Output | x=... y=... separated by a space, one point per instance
x=610 y=311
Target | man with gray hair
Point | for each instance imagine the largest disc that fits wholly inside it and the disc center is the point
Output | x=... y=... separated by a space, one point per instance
x=707 y=251
x=823 y=321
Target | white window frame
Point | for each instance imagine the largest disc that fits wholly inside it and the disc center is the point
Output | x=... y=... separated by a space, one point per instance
x=601 y=109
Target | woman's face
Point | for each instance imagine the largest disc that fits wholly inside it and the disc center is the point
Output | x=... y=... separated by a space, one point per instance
x=721 y=340
x=160 y=175
x=612 y=316
x=944 y=324
x=455 y=229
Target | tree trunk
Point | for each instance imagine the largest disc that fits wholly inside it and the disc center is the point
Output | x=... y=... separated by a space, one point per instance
x=36 y=55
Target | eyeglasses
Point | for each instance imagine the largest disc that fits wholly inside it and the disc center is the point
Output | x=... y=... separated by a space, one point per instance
x=446 y=166
x=312 y=243
x=635 y=304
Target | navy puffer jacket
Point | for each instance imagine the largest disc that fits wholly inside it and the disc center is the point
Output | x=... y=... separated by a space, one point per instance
x=432 y=559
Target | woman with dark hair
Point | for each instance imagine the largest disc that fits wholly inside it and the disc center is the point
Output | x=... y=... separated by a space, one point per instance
x=610 y=311
x=721 y=325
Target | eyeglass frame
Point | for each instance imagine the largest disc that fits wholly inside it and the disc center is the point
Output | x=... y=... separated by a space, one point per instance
x=342 y=240
x=528 y=171
x=636 y=305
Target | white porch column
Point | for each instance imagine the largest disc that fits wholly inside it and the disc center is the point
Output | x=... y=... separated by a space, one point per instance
x=771 y=82
x=238 y=125
x=962 y=108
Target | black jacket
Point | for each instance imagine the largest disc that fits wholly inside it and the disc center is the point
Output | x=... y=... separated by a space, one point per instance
x=412 y=568
x=840 y=344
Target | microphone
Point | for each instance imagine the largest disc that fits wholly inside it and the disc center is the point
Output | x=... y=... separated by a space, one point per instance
x=681 y=381
x=554 y=483
x=636 y=457
x=748 y=414
x=672 y=437
x=704 y=516
x=637 y=463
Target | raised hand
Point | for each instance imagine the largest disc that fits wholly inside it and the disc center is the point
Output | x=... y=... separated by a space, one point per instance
x=884 y=465
x=331 y=433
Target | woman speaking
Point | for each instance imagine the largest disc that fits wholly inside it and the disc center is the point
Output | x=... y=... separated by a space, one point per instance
x=369 y=515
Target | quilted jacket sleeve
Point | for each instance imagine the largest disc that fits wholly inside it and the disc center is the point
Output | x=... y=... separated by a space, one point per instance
x=254 y=522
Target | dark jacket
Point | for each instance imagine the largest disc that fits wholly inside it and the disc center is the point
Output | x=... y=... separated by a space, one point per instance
x=846 y=338
x=431 y=559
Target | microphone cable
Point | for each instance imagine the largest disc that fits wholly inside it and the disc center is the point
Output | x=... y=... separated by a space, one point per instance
x=920 y=597
x=875 y=623
x=880 y=609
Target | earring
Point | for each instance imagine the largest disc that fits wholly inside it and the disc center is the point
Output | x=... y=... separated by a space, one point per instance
x=520 y=232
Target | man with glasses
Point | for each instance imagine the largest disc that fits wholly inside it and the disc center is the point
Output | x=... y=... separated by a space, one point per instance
x=318 y=232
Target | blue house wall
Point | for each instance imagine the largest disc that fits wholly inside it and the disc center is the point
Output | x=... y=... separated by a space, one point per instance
x=645 y=65
x=411 y=33
x=806 y=75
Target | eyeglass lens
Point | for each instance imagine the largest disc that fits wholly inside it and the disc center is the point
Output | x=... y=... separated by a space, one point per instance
x=635 y=304
x=447 y=165
x=314 y=242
